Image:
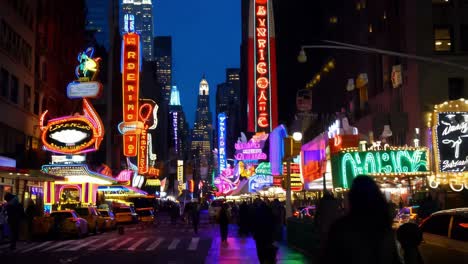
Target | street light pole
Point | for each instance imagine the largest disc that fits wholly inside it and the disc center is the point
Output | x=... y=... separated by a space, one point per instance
x=288 y=188
x=302 y=57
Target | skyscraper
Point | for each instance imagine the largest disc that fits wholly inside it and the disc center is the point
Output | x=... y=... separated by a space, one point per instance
x=202 y=129
x=228 y=101
x=178 y=125
x=97 y=20
x=143 y=12
x=163 y=58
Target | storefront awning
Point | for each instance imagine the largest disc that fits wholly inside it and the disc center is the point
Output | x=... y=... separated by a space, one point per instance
x=78 y=173
x=29 y=175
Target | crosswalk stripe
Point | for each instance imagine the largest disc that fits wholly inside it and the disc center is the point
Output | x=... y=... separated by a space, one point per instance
x=122 y=243
x=194 y=243
x=81 y=245
x=101 y=245
x=155 y=244
x=37 y=246
x=138 y=243
x=173 y=244
x=57 y=245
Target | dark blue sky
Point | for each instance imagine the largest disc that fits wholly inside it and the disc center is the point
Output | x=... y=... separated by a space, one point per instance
x=206 y=37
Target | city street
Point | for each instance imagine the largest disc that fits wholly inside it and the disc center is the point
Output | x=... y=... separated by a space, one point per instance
x=165 y=243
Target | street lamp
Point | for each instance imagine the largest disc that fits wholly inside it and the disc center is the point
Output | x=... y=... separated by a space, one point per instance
x=292 y=148
x=302 y=57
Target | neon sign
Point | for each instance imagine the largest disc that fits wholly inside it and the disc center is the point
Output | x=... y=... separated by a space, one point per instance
x=146 y=110
x=451 y=144
x=257 y=182
x=295 y=173
x=180 y=175
x=176 y=130
x=262 y=66
x=222 y=142
x=347 y=165
x=130 y=92
x=252 y=150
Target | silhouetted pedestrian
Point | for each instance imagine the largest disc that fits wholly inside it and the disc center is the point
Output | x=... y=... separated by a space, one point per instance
x=31 y=212
x=15 y=212
x=278 y=211
x=328 y=211
x=410 y=237
x=263 y=232
x=365 y=234
x=195 y=215
x=223 y=220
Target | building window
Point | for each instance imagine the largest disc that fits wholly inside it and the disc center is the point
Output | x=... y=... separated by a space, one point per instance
x=14 y=89
x=333 y=20
x=455 y=88
x=464 y=37
x=4 y=82
x=27 y=97
x=443 y=39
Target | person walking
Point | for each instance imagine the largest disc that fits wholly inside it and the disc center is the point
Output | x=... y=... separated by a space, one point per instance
x=328 y=210
x=364 y=235
x=278 y=217
x=195 y=215
x=243 y=219
x=3 y=221
x=31 y=212
x=263 y=232
x=15 y=212
x=223 y=220
x=410 y=237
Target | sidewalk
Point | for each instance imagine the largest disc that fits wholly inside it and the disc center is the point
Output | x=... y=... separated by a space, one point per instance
x=243 y=250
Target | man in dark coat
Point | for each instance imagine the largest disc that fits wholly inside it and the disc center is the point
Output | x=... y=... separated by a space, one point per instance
x=195 y=215
x=15 y=212
x=263 y=232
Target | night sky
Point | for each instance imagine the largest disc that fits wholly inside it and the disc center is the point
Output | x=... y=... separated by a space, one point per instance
x=206 y=37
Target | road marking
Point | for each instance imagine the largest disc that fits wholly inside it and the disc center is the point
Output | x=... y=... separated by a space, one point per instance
x=173 y=244
x=155 y=244
x=37 y=246
x=121 y=243
x=138 y=243
x=101 y=245
x=194 y=243
x=81 y=245
x=59 y=244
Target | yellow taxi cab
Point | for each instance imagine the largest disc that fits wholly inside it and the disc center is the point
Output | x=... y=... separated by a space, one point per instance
x=67 y=222
x=96 y=222
x=125 y=214
x=109 y=217
x=145 y=215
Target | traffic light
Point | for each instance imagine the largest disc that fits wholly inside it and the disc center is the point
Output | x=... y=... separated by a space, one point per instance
x=292 y=148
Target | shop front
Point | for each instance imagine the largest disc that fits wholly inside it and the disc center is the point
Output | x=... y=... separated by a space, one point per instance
x=78 y=187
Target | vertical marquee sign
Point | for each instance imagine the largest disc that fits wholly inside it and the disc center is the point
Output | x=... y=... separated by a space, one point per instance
x=130 y=92
x=451 y=142
x=262 y=108
x=221 y=142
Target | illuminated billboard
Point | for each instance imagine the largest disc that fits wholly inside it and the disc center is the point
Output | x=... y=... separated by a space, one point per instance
x=253 y=149
x=350 y=163
x=130 y=93
x=221 y=142
x=262 y=106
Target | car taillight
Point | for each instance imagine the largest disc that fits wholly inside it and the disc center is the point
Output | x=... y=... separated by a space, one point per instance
x=74 y=220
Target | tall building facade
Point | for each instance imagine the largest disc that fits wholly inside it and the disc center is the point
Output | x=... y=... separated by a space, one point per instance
x=163 y=58
x=202 y=133
x=373 y=100
x=178 y=127
x=97 y=20
x=228 y=102
x=143 y=13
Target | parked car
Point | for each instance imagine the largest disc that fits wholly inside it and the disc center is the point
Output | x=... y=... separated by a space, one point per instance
x=145 y=215
x=96 y=222
x=125 y=214
x=447 y=228
x=109 y=217
x=67 y=222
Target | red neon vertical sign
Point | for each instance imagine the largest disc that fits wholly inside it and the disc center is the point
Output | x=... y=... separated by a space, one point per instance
x=130 y=89
x=262 y=108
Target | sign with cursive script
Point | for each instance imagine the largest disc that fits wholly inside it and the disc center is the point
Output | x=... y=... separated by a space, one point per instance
x=451 y=141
